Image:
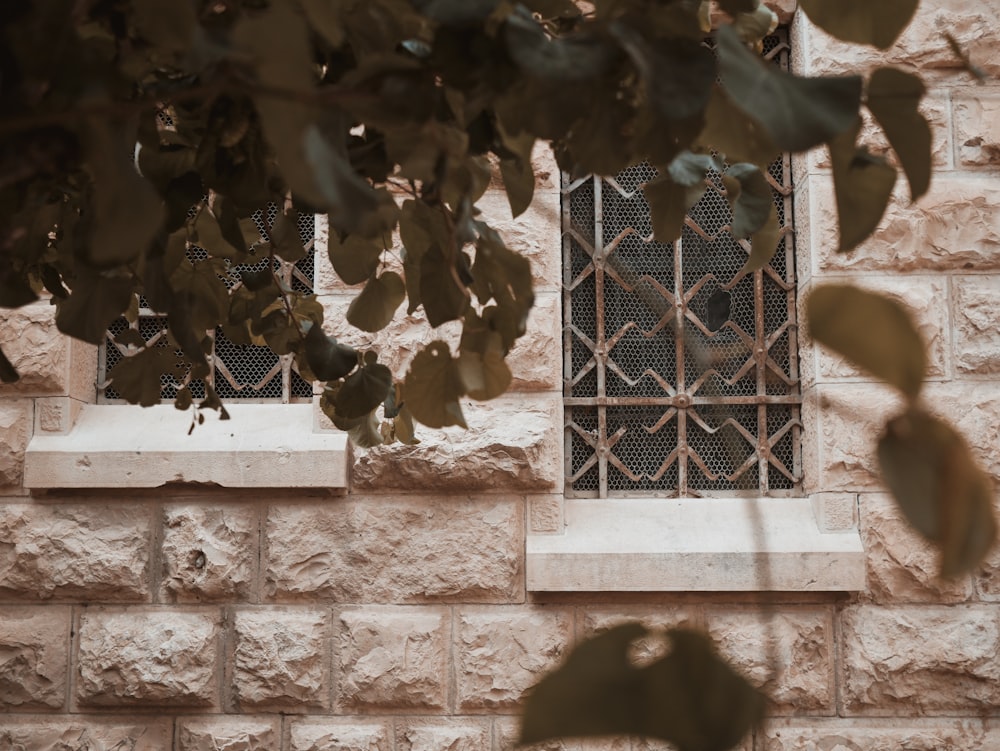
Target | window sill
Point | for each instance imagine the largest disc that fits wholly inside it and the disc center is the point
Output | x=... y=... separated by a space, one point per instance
x=696 y=544
x=123 y=446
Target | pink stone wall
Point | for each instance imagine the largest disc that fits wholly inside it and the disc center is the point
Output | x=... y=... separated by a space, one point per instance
x=396 y=618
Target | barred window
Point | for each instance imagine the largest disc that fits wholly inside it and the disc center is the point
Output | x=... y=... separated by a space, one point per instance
x=248 y=373
x=680 y=367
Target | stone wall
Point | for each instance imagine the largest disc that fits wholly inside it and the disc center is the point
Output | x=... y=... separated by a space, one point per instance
x=395 y=618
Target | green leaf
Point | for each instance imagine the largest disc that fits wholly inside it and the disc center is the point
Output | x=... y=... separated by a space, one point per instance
x=939 y=488
x=690 y=698
x=354 y=258
x=433 y=387
x=893 y=98
x=874 y=332
x=797 y=113
x=753 y=202
x=862 y=21
x=863 y=185
x=328 y=359
x=95 y=301
x=363 y=391
x=137 y=378
x=373 y=309
x=8 y=373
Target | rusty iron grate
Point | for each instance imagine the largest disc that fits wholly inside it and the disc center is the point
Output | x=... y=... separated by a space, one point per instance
x=680 y=368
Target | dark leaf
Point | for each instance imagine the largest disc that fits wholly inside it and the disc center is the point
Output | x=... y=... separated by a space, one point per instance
x=8 y=373
x=485 y=375
x=442 y=292
x=734 y=134
x=169 y=26
x=373 y=309
x=457 y=12
x=874 y=332
x=328 y=359
x=326 y=17
x=402 y=425
x=137 y=378
x=95 y=301
x=363 y=391
x=863 y=185
x=893 y=98
x=208 y=235
x=732 y=7
x=862 y=21
x=354 y=258
x=363 y=431
x=750 y=197
x=15 y=290
x=568 y=59
x=433 y=387
x=285 y=237
x=518 y=176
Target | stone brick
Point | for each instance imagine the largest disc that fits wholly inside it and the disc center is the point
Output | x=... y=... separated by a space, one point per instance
x=925 y=298
x=535 y=234
x=74 y=552
x=81 y=733
x=149 y=658
x=395 y=657
x=902 y=567
x=514 y=443
x=920 y=659
x=339 y=734
x=973 y=408
x=977 y=127
x=39 y=352
x=789 y=655
x=502 y=653
x=507 y=730
x=397 y=549
x=227 y=734
x=34 y=657
x=954 y=226
x=545 y=513
x=15 y=432
x=657 y=620
x=281 y=659
x=875 y=735
x=976 y=311
x=209 y=553
x=460 y=734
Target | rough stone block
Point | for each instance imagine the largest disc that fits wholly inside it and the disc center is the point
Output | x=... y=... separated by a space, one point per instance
x=97 y=553
x=39 y=352
x=56 y=414
x=339 y=734
x=34 y=657
x=507 y=730
x=902 y=567
x=513 y=442
x=148 y=658
x=15 y=431
x=657 y=620
x=208 y=553
x=545 y=513
x=227 y=734
x=876 y=735
x=81 y=733
x=502 y=653
x=464 y=734
x=976 y=316
x=397 y=549
x=799 y=640
x=954 y=226
x=397 y=657
x=281 y=659
x=973 y=408
x=835 y=512
x=920 y=659
x=977 y=127
x=536 y=234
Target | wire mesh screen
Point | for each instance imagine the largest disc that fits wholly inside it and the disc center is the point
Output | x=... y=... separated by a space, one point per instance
x=239 y=372
x=680 y=369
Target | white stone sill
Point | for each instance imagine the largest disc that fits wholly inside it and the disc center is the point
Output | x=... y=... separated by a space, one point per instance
x=694 y=544
x=125 y=446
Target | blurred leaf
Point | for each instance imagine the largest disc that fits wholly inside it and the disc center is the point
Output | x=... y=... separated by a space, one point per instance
x=433 y=387
x=940 y=489
x=354 y=258
x=569 y=59
x=444 y=295
x=328 y=359
x=208 y=235
x=872 y=331
x=285 y=237
x=862 y=21
x=8 y=373
x=518 y=176
x=485 y=375
x=734 y=134
x=863 y=185
x=402 y=425
x=169 y=26
x=15 y=290
x=797 y=113
x=94 y=302
x=764 y=242
x=690 y=698
x=326 y=17
x=363 y=391
x=672 y=194
x=750 y=198
x=137 y=378
x=373 y=309
x=754 y=25
x=503 y=275
x=893 y=98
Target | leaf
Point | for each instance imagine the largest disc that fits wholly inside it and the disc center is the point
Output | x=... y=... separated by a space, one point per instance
x=95 y=301
x=893 y=98
x=732 y=7
x=671 y=195
x=764 y=242
x=484 y=375
x=325 y=16
x=797 y=113
x=433 y=387
x=170 y=26
x=402 y=427
x=373 y=309
x=690 y=698
x=731 y=132
x=874 y=332
x=863 y=185
x=876 y=23
x=137 y=377
x=328 y=359
x=939 y=488
x=8 y=373
x=444 y=296
x=354 y=258
x=285 y=237
x=569 y=59
x=753 y=202
x=753 y=26
x=363 y=391
x=516 y=171
x=208 y=235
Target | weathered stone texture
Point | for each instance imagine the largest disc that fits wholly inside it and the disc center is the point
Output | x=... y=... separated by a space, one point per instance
x=658 y=620
x=281 y=659
x=97 y=553
x=545 y=513
x=339 y=734
x=506 y=730
x=139 y=657
x=513 y=443
x=30 y=340
x=394 y=658
x=902 y=567
x=397 y=549
x=789 y=655
x=85 y=734
x=973 y=407
x=880 y=735
x=15 y=432
x=977 y=127
x=443 y=735
x=208 y=553
x=534 y=234
x=976 y=311
x=923 y=659
x=502 y=653
x=227 y=734
x=34 y=657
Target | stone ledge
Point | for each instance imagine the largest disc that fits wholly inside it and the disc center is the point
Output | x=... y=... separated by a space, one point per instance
x=124 y=446
x=694 y=544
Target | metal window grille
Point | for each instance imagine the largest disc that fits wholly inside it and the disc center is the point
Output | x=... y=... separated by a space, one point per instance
x=680 y=367
x=238 y=372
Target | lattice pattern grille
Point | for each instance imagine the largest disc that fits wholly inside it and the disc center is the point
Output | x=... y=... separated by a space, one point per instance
x=243 y=372
x=680 y=369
